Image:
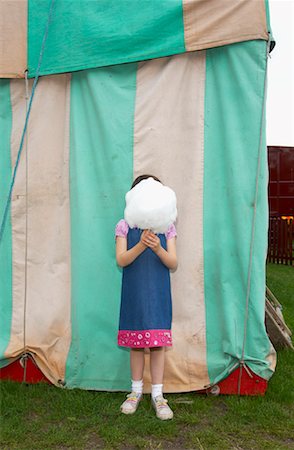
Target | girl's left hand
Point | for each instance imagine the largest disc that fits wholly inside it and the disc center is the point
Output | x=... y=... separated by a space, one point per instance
x=152 y=241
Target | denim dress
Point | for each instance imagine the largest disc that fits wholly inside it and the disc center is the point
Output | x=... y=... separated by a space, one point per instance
x=146 y=304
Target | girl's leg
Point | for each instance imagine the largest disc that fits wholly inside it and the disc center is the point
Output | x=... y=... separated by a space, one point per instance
x=160 y=405
x=137 y=363
x=137 y=360
x=157 y=364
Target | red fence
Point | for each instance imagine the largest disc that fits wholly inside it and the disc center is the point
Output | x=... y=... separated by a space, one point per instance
x=280 y=241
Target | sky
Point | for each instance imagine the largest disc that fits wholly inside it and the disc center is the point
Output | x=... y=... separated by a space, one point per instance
x=280 y=94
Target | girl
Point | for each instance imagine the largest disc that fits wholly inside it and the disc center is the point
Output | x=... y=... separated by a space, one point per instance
x=146 y=310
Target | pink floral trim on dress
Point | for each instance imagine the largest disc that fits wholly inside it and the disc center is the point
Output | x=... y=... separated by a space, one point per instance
x=144 y=338
x=122 y=229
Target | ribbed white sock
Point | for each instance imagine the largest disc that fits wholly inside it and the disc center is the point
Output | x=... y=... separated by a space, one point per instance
x=156 y=390
x=137 y=386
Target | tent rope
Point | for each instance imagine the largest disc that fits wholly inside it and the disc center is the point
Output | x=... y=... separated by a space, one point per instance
x=26 y=236
x=242 y=363
x=8 y=201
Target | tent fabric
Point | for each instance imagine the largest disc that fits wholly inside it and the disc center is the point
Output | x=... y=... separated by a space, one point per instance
x=234 y=124
x=213 y=23
x=101 y=167
x=89 y=34
x=13 y=38
x=41 y=287
x=194 y=120
x=6 y=244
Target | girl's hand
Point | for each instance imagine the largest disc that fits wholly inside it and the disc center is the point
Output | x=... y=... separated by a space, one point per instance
x=152 y=241
x=143 y=238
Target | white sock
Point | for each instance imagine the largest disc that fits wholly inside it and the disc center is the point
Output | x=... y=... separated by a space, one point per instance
x=137 y=386
x=156 y=390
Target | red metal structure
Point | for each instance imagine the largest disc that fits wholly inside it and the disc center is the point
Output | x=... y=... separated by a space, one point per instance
x=280 y=240
x=281 y=205
x=281 y=181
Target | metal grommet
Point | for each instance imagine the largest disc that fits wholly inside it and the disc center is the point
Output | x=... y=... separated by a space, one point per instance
x=215 y=390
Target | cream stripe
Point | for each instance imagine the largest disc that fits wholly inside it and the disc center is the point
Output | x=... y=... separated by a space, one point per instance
x=169 y=143
x=214 y=23
x=13 y=38
x=272 y=357
x=47 y=304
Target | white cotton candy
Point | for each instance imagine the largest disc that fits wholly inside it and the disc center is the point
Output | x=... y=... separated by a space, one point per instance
x=151 y=205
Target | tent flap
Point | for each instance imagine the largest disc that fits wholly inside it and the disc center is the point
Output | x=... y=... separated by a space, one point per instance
x=88 y=34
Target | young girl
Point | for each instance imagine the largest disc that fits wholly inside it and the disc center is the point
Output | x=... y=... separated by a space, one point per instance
x=146 y=309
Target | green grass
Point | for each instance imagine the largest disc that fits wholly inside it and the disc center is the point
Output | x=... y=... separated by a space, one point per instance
x=280 y=280
x=42 y=417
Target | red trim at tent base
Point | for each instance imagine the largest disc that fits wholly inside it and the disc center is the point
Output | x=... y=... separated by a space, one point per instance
x=251 y=384
x=16 y=371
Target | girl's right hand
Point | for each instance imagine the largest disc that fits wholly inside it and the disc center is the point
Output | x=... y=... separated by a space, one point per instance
x=143 y=238
x=149 y=239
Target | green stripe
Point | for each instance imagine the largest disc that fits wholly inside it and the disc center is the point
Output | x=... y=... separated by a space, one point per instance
x=233 y=108
x=101 y=171
x=88 y=34
x=6 y=244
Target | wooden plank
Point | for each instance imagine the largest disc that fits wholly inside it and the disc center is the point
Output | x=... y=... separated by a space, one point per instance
x=279 y=333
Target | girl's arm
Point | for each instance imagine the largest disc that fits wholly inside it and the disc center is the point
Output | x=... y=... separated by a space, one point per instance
x=168 y=257
x=125 y=257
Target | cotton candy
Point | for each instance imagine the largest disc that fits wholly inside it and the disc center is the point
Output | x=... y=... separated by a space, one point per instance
x=151 y=205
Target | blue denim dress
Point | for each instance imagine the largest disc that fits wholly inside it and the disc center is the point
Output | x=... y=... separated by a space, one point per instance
x=146 y=305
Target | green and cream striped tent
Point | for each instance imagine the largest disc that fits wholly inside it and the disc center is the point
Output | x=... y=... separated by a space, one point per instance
x=170 y=87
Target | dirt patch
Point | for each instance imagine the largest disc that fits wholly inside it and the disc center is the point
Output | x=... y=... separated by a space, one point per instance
x=94 y=441
x=221 y=408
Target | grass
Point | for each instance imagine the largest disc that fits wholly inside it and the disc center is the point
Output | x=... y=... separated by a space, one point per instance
x=280 y=281
x=42 y=417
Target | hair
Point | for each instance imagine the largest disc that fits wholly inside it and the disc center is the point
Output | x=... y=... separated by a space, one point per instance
x=144 y=177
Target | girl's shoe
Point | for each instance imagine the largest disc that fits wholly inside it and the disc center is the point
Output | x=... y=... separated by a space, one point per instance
x=131 y=404
x=162 y=409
